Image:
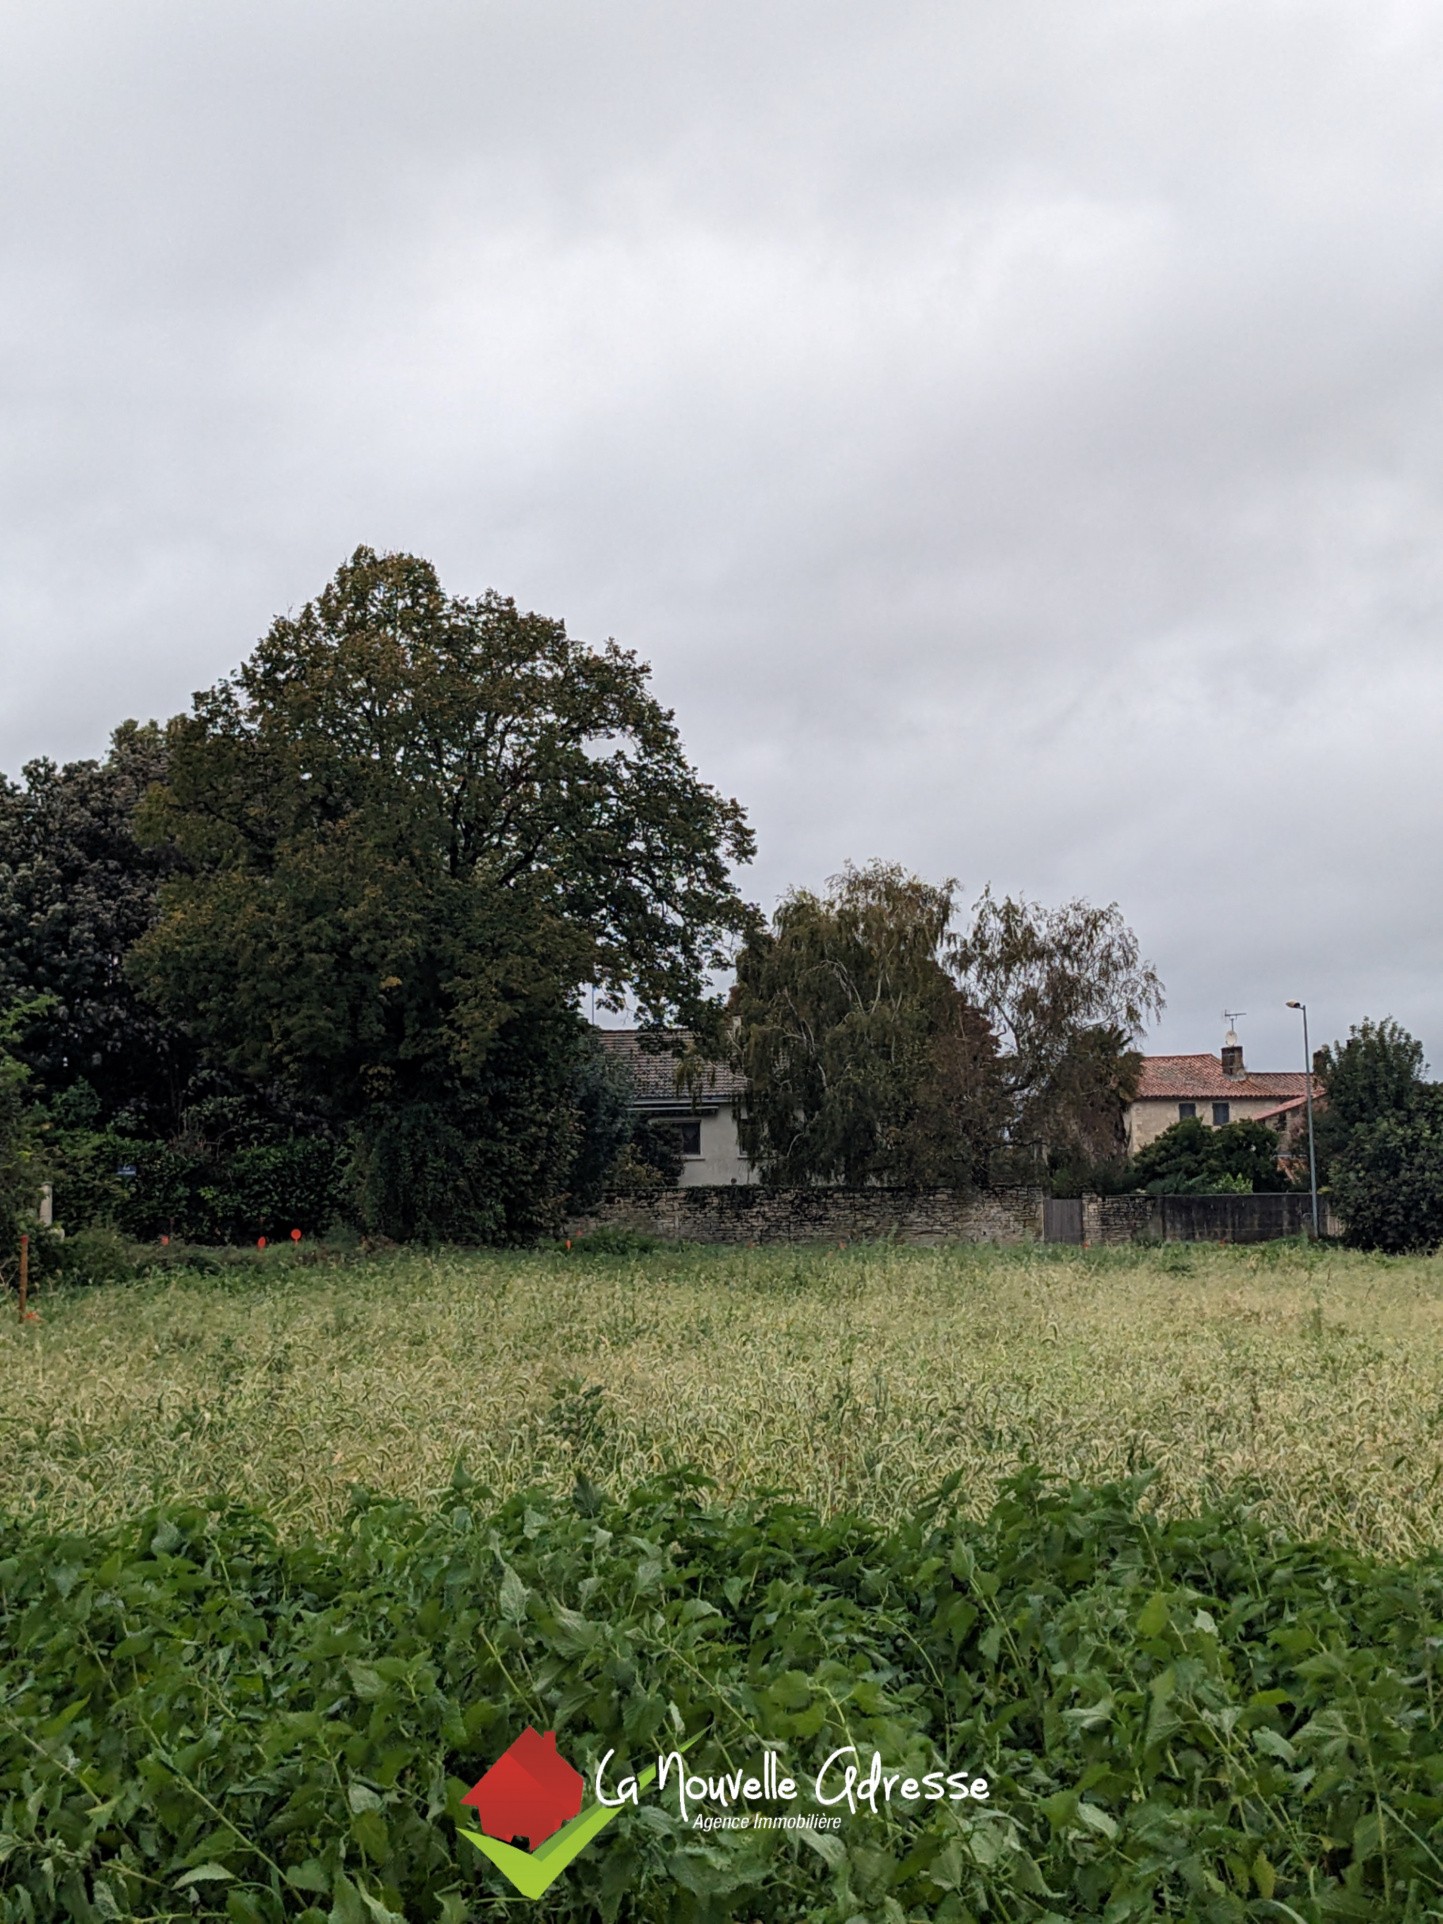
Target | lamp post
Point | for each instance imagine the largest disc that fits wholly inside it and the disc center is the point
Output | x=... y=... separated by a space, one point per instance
x=1308 y=1092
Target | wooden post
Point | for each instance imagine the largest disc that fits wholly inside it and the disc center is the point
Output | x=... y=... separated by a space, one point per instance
x=24 y=1273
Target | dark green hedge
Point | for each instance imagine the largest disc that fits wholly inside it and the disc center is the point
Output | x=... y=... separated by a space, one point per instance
x=1188 y=1720
x=261 y=1189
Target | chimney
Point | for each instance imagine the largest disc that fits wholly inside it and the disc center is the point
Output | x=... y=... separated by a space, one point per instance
x=1233 y=1055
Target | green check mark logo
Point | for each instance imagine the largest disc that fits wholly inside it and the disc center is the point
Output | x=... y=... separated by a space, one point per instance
x=533 y=1872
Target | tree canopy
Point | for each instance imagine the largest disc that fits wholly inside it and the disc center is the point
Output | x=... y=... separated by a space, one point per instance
x=864 y=1061
x=1067 y=993
x=1379 y=1071
x=77 y=890
x=20 y=1165
x=881 y=1045
x=1380 y=1138
x=1387 y=1180
x=412 y=827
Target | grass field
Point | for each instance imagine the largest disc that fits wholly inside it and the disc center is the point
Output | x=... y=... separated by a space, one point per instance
x=1312 y=1381
x=252 y=1717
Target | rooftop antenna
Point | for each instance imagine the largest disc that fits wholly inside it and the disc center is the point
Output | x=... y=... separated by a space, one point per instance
x=1232 y=1016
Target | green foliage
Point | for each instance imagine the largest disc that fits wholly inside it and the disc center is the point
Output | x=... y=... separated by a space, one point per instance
x=1184 y=1719
x=493 y=1162
x=20 y=1162
x=1189 y=1159
x=1387 y=1181
x=880 y=1047
x=1380 y=1138
x=95 y=1256
x=651 y=1157
x=76 y=892
x=415 y=826
x=202 y=1191
x=604 y=1089
x=610 y=1240
x=1066 y=991
x=1378 y=1072
x=865 y=1063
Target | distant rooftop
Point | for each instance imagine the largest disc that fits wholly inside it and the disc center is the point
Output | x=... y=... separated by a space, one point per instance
x=1190 y=1078
x=654 y=1068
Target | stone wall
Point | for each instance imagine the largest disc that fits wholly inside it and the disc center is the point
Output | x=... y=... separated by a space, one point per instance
x=1126 y=1219
x=750 y=1214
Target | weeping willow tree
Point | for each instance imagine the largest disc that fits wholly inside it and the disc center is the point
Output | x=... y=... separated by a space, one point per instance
x=1067 y=993
x=883 y=1045
x=865 y=1061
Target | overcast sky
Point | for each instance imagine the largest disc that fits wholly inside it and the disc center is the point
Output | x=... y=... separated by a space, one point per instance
x=1013 y=432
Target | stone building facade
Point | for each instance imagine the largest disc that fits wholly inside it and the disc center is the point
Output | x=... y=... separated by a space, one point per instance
x=1216 y=1090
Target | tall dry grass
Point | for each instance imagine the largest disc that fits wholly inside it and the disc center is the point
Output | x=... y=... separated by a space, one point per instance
x=1312 y=1381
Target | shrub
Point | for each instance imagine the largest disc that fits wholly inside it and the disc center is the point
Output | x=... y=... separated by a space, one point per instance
x=612 y=1241
x=271 y=1189
x=1190 y=1159
x=95 y=1256
x=202 y=1195
x=1388 y=1180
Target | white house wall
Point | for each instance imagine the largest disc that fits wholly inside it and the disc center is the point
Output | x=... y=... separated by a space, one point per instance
x=721 y=1161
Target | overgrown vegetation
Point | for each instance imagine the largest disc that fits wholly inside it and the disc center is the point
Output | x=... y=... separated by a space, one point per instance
x=1183 y=1719
x=853 y=1379
x=1190 y=1159
x=262 y=1698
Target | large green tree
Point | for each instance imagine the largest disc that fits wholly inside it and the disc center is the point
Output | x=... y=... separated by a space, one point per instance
x=864 y=1061
x=1067 y=992
x=1377 y=1073
x=414 y=826
x=77 y=891
x=20 y=1141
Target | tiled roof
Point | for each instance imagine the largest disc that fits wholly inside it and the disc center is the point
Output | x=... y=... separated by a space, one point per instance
x=655 y=1072
x=1286 y=1108
x=1187 y=1078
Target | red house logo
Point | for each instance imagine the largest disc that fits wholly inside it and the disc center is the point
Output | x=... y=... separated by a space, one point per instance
x=530 y=1791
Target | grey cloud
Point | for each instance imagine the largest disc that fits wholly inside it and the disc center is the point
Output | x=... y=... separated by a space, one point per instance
x=1011 y=432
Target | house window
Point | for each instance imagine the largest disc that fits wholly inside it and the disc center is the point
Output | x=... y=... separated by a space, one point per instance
x=1222 y=1114
x=690 y=1133
x=1186 y=1111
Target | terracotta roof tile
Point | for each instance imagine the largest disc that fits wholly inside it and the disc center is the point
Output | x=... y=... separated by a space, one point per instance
x=1187 y=1078
x=1287 y=1108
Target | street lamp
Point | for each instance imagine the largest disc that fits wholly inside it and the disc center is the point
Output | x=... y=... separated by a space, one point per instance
x=1308 y=1092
